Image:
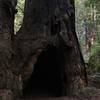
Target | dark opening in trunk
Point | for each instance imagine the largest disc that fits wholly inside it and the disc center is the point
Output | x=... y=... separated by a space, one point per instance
x=46 y=77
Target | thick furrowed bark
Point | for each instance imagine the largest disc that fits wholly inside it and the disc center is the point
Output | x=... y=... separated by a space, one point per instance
x=9 y=82
x=52 y=23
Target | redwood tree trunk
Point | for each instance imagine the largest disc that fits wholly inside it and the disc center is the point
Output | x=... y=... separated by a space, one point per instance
x=6 y=29
x=8 y=79
x=51 y=24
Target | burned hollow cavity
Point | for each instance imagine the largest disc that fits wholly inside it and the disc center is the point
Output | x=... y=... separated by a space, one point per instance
x=46 y=77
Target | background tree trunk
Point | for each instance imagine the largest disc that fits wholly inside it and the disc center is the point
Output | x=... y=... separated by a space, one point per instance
x=49 y=26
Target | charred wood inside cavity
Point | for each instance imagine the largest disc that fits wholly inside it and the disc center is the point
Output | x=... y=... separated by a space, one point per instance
x=46 y=76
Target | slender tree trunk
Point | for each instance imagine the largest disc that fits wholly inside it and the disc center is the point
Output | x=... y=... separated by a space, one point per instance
x=51 y=24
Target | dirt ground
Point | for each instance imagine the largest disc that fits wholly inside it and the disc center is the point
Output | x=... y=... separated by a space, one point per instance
x=63 y=98
x=88 y=93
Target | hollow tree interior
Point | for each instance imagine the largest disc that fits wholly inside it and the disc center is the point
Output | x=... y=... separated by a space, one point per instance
x=46 y=77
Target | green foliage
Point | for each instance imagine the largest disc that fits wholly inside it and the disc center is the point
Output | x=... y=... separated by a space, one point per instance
x=95 y=48
x=98 y=37
x=89 y=2
x=94 y=63
x=19 y=15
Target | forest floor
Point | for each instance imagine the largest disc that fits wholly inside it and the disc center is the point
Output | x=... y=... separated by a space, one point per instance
x=86 y=94
x=92 y=92
x=64 y=98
